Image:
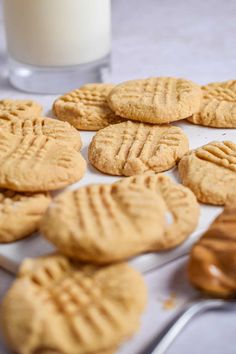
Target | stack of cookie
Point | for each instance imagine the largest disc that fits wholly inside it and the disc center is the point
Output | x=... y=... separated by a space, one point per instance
x=37 y=155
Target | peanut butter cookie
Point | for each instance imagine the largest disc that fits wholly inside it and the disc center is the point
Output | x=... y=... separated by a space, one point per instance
x=212 y=263
x=105 y=223
x=60 y=306
x=180 y=202
x=20 y=108
x=131 y=148
x=36 y=164
x=86 y=108
x=156 y=100
x=218 y=107
x=20 y=214
x=42 y=126
x=210 y=172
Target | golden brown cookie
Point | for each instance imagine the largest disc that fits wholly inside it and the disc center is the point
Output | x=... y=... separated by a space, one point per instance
x=48 y=127
x=212 y=263
x=20 y=214
x=86 y=108
x=60 y=306
x=210 y=172
x=105 y=351
x=105 y=223
x=20 y=108
x=131 y=148
x=35 y=163
x=218 y=107
x=180 y=202
x=156 y=100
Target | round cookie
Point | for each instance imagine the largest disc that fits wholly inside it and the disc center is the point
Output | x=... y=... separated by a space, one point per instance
x=218 y=107
x=20 y=214
x=212 y=259
x=180 y=202
x=42 y=126
x=60 y=306
x=37 y=164
x=131 y=148
x=156 y=100
x=86 y=108
x=20 y=108
x=105 y=223
x=210 y=172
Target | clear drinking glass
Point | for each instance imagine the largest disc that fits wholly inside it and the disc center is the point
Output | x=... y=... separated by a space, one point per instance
x=57 y=45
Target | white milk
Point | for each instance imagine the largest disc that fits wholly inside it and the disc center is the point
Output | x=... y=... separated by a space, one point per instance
x=57 y=32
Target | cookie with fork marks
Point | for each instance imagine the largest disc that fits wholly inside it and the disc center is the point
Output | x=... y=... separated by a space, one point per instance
x=132 y=148
x=210 y=172
x=36 y=164
x=20 y=109
x=68 y=307
x=48 y=127
x=156 y=100
x=20 y=214
x=105 y=223
x=218 y=108
x=86 y=108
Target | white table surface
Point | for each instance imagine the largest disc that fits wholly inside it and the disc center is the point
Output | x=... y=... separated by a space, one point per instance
x=193 y=39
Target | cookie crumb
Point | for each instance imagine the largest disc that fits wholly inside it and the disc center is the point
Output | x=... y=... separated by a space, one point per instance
x=170 y=302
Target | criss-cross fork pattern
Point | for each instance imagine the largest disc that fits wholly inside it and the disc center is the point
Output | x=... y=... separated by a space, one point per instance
x=86 y=303
x=92 y=97
x=158 y=91
x=224 y=91
x=218 y=108
x=38 y=126
x=34 y=148
x=216 y=112
x=131 y=141
x=100 y=207
x=220 y=153
x=18 y=108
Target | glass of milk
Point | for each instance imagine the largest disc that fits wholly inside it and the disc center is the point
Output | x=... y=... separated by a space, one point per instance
x=57 y=45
